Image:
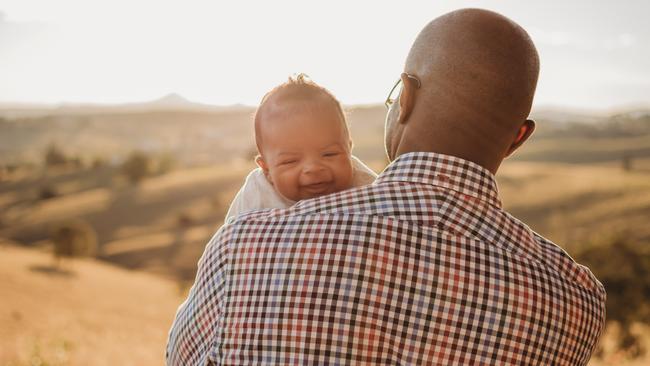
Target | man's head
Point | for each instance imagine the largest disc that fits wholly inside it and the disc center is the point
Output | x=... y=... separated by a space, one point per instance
x=467 y=89
x=303 y=140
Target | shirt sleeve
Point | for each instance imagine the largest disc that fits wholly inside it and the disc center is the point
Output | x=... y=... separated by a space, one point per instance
x=195 y=335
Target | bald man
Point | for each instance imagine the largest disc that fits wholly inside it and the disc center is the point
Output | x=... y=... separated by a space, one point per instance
x=421 y=267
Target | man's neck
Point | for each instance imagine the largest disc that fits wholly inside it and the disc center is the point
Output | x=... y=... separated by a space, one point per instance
x=448 y=147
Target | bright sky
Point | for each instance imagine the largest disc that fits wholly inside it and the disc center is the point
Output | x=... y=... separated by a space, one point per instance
x=594 y=54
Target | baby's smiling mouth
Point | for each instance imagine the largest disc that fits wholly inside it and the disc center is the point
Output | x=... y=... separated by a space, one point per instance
x=320 y=187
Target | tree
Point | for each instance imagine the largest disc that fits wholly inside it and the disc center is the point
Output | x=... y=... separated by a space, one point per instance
x=137 y=166
x=74 y=238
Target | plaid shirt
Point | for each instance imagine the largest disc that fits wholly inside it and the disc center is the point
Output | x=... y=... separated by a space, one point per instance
x=421 y=267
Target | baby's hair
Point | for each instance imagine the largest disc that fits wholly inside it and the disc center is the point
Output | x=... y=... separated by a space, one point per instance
x=298 y=88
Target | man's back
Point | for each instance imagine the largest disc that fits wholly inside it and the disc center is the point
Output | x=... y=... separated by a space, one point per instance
x=422 y=267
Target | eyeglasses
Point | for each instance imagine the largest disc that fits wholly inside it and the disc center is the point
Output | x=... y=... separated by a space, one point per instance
x=397 y=89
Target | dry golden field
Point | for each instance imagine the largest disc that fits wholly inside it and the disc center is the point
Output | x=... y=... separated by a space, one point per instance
x=574 y=204
x=90 y=313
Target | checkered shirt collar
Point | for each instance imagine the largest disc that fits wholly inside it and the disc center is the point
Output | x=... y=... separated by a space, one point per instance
x=444 y=171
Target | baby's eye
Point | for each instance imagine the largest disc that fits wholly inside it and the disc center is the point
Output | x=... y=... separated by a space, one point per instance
x=287 y=162
x=332 y=153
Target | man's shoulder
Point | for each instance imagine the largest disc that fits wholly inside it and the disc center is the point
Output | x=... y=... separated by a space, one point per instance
x=574 y=271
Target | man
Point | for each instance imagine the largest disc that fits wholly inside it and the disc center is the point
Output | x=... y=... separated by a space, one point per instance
x=421 y=267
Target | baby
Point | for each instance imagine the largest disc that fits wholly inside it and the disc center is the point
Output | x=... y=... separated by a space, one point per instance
x=304 y=149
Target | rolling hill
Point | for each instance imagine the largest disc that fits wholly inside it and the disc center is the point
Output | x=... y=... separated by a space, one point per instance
x=89 y=314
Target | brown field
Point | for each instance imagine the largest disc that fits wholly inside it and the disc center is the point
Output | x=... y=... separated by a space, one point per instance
x=577 y=185
x=574 y=204
x=91 y=313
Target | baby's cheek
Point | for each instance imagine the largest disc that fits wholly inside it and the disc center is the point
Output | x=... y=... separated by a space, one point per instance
x=288 y=184
x=346 y=174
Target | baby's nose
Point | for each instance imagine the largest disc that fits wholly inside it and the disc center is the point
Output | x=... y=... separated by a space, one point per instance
x=312 y=166
x=314 y=173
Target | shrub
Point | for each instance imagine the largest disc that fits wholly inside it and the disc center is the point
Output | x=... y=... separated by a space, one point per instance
x=12 y=168
x=185 y=219
x=98 y=162
x=624 y=269
x=137 y=166
x=47 y=192
x=54 y=156
x=76 y=162
x=74 y=238
x=626 y=163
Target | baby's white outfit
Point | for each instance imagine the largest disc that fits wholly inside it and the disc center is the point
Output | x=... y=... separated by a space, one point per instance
x=257 y=193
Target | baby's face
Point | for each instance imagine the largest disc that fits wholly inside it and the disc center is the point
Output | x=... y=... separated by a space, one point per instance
x=306 y=152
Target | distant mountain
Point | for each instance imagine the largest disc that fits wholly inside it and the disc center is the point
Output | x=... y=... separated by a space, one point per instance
x=561 y=115
x=172 y=99
x=566 y=115
x=169 y=102
x=176 y=101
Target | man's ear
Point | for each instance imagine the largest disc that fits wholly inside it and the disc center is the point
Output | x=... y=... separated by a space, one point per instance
x=406 y=98
x=524 y=132
x=259 y=160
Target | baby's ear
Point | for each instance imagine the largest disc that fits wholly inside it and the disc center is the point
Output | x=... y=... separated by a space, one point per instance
x=259 y=160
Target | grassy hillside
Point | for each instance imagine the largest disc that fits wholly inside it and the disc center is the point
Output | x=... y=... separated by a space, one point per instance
x=160 y=224
x=95 y=314
x=575 y=204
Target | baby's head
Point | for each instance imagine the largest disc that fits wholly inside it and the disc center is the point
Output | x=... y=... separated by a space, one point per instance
x=303 y=140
